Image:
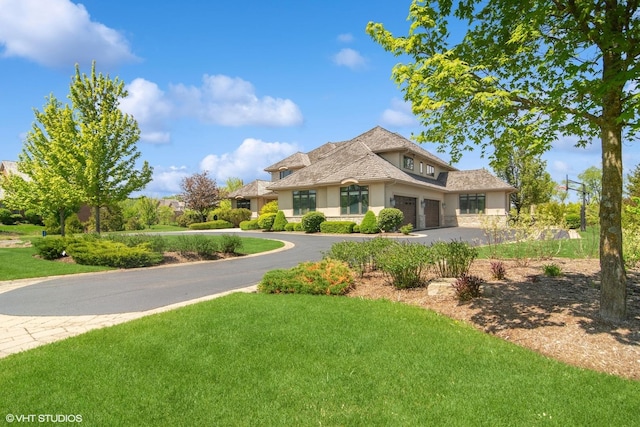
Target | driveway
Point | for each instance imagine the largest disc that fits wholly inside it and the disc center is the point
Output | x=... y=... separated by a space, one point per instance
x=141 y=290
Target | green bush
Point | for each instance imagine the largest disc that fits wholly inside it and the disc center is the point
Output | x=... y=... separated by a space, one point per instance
x=33 y=217
x=406 y=264
x=249 y=225
x=50 y=247
x=360 y=256
x=389 y=219
x=211 y=225
x=327 y=277
x=467 y=287
x=236 y=216
x=134 y=224
x=453 y=259
x=271 y=207
x=552 y=270
x=369 y=224
x=356 y=228
x=298 y=226
x=156 y=243
x=6 y=216
x=337 y=227
x=311 y=221
x=290 y=226
x=229 y=244
x=204 y=246
x=72 y=225
x=280 y=222
x=406 y=229
x=265 y=221
x=573 y=221
x=187 y=218
x=219 y=213
x=112 y=254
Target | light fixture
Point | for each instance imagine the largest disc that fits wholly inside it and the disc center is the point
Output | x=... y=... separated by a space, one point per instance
x=444 y=205
x=392 y=202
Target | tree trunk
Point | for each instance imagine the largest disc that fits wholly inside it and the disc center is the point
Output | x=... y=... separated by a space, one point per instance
x=62 y=218
x=613 y=290
x=97 y=216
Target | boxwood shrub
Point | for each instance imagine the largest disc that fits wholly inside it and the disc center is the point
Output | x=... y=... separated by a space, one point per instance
x=266 y=220
x=290 y=226
x=311 y=221
x=389 y=219
x=369 y=224
x=340 y=227
x=280 y=222
x=249 y=225
x=326 y=277
x=211 y=225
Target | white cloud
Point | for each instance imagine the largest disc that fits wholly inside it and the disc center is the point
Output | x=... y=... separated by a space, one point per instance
x=59 y=33
x=350 y=58
x=166 y=181
x=230 y=101
x=345 y=38
x=150 y=107
x=399 y=114
x=247 y=161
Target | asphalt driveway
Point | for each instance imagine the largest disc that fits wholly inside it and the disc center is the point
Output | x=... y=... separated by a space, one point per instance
x=136 y=290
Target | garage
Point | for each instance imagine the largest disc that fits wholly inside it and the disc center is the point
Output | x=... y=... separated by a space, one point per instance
x=431 y=213
x=408 y=207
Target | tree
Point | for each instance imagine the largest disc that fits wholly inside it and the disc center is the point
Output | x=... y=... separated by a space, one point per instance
x=592 y=179
x=47 y=161
x=200 y=193
x=149 y=210
x=525 y=73
x=527 y=173
x=106 y=142
x=633 y=182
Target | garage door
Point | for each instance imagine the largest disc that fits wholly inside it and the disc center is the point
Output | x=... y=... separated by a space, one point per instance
x=431 y=213
x=408 y=207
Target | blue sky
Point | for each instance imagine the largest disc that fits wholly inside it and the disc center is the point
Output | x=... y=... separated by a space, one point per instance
x=225 y=86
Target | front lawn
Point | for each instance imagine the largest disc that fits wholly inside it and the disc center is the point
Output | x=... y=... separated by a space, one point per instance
x=254 y=359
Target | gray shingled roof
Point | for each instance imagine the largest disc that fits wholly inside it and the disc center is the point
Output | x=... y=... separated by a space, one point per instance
x=473 y=180
x=295 y=161
x=257 y=188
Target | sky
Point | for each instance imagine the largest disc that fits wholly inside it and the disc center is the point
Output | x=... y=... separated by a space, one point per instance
x=228 y=87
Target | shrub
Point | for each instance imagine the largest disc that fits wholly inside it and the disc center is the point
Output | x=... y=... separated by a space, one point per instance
x=327 y=277
x=360 y=256
x=211 y=225
x=265 y=221
x=389 y=219
x=16 y=218
x=112 y=254
x=50 y=247
x=406 y=229
x=249 y=225
x=298 y=226
x=236 y=216
x=280 y=222
x=573 y=221
x=219 y=214
x=229 y=244
x=356 y=228
x=498 y=270
x=467 y=287
x=290 y=226
x=271 y=207
x=311 y=221
x=337 y=227
x=203 y=246
x=369 y=224
x=405 y=264
x=187 y=218
x=72 y=225
x=156 y=242
x=33 y=217
x=453 y=259
x=134 y=224
x=552 y=270
x=6 y=216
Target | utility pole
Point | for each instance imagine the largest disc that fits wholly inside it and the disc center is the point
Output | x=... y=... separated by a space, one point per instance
x=583 y=208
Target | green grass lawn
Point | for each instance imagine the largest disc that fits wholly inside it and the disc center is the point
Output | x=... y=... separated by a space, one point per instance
x=253 y=359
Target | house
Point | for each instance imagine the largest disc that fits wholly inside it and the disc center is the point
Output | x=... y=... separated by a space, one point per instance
x=376 y=170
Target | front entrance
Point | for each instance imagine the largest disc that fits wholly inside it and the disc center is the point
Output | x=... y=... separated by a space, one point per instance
x=431 y=213
x=408 y=207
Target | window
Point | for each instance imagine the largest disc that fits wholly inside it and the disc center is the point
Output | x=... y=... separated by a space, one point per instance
x=421 y=168
x=304 y=201
x=354 y=200
x=243 y=204
x=408 y=163
x=285 y=173
x=472 y=203
x=431 y=171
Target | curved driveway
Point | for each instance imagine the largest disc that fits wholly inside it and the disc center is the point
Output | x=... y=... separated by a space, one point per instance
x=125 y=291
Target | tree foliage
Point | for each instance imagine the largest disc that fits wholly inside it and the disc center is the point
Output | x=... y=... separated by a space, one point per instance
x=525 y=73
x=592 y=179
x=200 y=193
x=528 y=174
x=633 y=182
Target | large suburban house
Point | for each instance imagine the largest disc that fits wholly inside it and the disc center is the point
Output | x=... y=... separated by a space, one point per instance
x=376 y=170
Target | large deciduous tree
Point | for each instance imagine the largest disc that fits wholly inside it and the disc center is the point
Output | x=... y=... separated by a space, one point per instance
x=592 y=179
x=526 y=72
x=106 y=141
x=200 y=193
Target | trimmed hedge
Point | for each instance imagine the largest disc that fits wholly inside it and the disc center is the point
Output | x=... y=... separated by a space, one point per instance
x=265 y=221
x=369 y=224
x=112 y=254
x=389 y=219
x=280 y=222
x=311 y=221
x=339 y=227
x=327 y=277
x=211 y=225
x=249 y=225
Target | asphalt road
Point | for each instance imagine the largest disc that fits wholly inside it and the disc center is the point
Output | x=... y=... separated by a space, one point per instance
x=144 y=289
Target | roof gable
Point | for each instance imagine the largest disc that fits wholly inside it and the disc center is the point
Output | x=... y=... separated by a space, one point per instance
x=473 y=180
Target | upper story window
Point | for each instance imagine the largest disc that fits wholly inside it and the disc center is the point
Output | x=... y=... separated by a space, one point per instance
x=243 y=203
x=472 y=203
x=354 y=199
x=431 y=171
x=285 y=172
x=408 y=163
x=304 y=201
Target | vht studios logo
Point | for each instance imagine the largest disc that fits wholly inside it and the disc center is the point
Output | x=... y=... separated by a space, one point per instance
x=43 y=418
